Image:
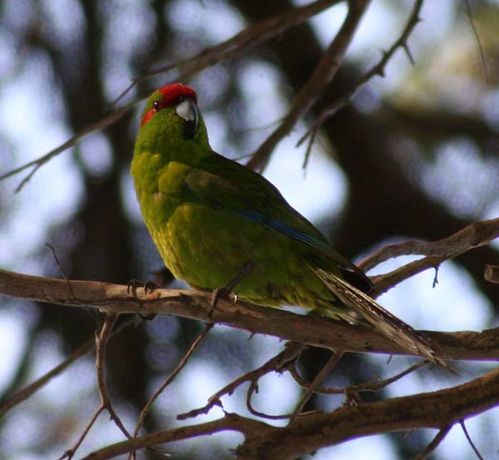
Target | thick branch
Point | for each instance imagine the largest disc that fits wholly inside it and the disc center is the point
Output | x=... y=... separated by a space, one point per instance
x=313 y=330
x=311 y=432
x=427 y=410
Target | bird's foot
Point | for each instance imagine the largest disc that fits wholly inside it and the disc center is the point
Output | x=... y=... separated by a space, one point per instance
x=227 y=290
x=148 y=286
x=221 y=293
x=352 y=397
x=134 y=284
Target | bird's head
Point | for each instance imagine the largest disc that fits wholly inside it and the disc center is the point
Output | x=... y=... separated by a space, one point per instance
x=172 y=114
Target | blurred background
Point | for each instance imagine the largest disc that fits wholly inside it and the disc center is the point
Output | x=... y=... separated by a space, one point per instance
x=416 y=155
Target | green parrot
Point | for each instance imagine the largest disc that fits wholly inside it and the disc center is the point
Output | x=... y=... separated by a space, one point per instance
x=214 y=220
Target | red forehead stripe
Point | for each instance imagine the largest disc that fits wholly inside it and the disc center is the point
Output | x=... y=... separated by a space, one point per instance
x=172 y=93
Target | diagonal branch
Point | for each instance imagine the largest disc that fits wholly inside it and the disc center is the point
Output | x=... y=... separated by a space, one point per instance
x=440 y=436
x=321 y=77
x=194 y=346
x=377 y=69
x=472 y=236
x=28 y=391
x=237 y=45
x=243 y=41
x=36 y=164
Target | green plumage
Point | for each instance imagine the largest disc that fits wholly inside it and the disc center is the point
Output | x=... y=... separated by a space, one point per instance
x=196 y=205
x=210 y=216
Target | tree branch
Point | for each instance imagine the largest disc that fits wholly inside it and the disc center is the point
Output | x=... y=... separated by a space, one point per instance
x=313 y=88
x=313 y=330
x=472 y=236
x=37 y=163
x=427 y=410
x=377 y=69
x=236 y=45
x=308 y=433
x=248 y=38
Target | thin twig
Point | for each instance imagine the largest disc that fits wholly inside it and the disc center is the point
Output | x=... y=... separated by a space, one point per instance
x=240 y=43
x=308 y=152
x=377 y=69
x=435 y=442
x=101 y=341
x=376 y=385
x=382 y=283
x=194 y=346
x=317 y=382
x=372 y=385
x=472 y=236
x=60 y=267
x=468 y=437
x=33 y=387
x=253 y=388
x=314 y=87
x=481 y=52
x=36 y=164
x=69 y=454
x=275 y=364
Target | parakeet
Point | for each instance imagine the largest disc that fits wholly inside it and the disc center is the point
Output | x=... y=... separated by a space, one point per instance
x=211 y=218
